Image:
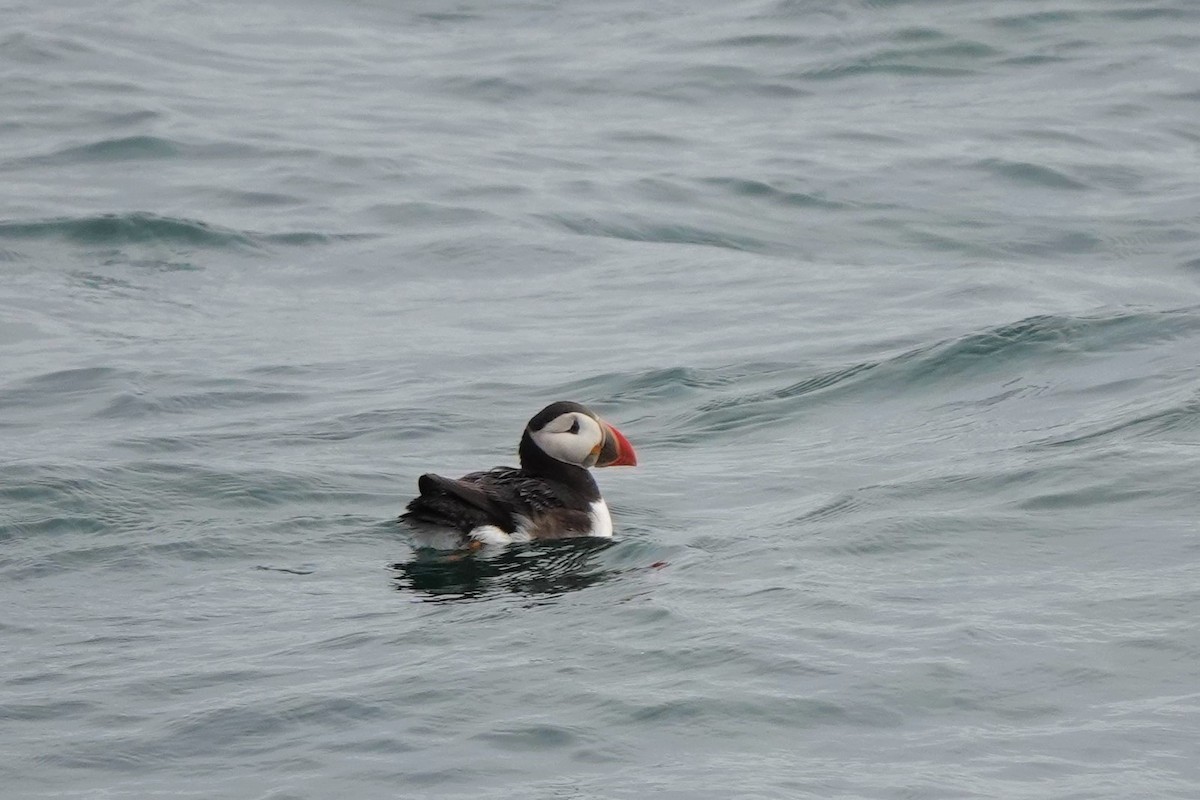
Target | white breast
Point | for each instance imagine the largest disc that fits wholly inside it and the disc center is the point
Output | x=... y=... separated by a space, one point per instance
x=601 y=519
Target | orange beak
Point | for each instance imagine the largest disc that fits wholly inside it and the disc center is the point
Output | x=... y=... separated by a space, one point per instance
x=615 y=450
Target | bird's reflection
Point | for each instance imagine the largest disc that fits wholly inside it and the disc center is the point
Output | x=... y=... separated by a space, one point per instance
x=536 y=570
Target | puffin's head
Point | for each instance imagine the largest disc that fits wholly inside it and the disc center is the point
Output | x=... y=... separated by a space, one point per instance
x=571 y=433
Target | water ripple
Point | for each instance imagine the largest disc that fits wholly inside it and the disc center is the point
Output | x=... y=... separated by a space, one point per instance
x=143 y=227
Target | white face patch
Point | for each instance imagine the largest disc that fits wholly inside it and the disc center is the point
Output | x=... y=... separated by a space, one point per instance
x=570 y=437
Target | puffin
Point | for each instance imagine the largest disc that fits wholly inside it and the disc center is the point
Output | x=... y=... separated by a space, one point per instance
x=552 y=495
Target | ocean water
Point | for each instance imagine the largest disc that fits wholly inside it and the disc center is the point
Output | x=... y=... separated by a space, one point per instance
x=898 y=301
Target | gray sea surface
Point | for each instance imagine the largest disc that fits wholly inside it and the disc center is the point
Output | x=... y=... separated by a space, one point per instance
x=898 y=301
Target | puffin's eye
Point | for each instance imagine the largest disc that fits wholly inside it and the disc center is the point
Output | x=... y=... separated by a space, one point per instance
x=574 y=426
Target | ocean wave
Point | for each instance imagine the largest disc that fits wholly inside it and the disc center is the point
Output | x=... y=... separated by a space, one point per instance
x=1037 y=341
x=128 y=228
x=140 y=227
x=663 y=233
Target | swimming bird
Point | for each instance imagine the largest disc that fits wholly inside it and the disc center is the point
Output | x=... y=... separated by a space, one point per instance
x=551 y=496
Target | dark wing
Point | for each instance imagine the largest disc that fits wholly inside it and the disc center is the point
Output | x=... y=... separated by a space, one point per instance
x=553 y=509
x=495 y=497
x=461 y=504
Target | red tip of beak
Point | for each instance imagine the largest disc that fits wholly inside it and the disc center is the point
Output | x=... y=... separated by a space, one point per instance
x=626 y=457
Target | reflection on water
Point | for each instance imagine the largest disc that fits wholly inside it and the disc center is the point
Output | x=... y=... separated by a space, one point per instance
x=541 y=569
